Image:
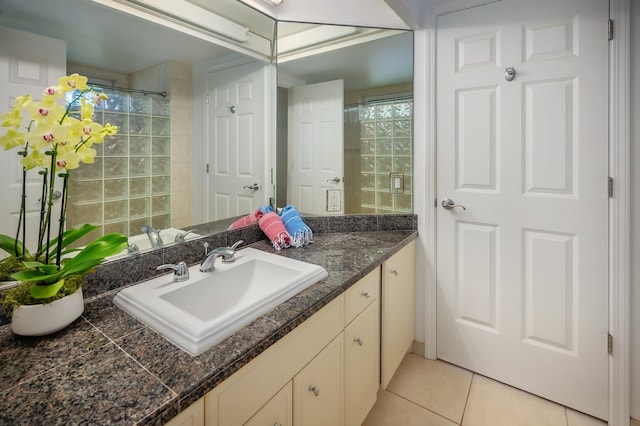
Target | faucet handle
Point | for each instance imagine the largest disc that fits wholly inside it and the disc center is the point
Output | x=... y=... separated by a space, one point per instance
x=236 y=244
x=181 y=236
x=181 y=270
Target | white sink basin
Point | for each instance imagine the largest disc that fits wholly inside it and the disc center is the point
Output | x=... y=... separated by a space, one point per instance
x=200 y=312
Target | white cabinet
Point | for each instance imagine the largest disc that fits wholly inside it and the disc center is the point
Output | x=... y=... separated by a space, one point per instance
x=242 y=395
x=318 y=390
x=362 y=363
x=362 y=347
x=277 y=412
x=398 y=309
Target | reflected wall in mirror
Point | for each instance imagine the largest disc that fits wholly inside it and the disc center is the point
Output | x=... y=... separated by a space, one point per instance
x=345 y=119
x=143 y=175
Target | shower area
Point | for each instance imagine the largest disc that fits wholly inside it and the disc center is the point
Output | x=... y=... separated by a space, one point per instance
x=139 y=176
x=378 y=156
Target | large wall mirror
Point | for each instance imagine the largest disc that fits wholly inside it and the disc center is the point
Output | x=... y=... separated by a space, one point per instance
x=154 y=172
x=345 y=119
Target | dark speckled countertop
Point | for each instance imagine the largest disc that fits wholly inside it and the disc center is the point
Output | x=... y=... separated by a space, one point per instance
x=108 y=368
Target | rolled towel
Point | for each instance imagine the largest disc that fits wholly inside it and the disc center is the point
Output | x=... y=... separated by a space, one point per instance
x=265 y=209
x=300 y=233
x=250 y=219
x=274 y=229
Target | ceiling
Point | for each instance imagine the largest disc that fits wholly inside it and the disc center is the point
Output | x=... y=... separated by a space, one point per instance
x=101 y=37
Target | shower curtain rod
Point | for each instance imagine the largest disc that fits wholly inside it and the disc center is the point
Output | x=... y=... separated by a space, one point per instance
x=125 y=89
x=383 y=100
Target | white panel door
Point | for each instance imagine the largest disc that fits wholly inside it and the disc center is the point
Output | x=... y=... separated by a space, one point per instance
x=236 y=135
x=316 y=132
x=522 y=272
x=28 y=64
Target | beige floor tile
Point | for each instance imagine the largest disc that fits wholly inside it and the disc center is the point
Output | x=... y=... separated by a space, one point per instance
x=576 y=418
x=635 y=422
x=435 y=385
x=494 y=404
x=392 y=410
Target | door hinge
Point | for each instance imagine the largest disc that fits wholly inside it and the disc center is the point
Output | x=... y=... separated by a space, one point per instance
x=610 y=186
x=610 y=31
x=207 y=168
x=609 y=344
x=206 y=98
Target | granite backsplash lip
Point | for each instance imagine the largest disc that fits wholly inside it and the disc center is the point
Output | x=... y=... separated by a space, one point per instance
x=108 y=367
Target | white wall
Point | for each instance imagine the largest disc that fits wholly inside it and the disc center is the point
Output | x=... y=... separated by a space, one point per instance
x=635 y=210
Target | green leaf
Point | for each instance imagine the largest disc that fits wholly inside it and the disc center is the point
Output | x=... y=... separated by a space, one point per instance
x=46 y=291
x=8 y=244
x=71 y=236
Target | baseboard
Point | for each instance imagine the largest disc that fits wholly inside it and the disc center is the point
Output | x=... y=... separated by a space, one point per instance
x=418 y=349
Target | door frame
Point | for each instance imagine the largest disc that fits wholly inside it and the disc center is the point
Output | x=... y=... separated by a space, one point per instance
x=619 y=204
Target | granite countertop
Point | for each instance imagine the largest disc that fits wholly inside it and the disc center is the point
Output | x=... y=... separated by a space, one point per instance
x=108 y=368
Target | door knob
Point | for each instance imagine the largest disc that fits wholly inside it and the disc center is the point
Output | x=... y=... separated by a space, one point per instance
x=334 y=180
x=449 y=204
x=254 y=187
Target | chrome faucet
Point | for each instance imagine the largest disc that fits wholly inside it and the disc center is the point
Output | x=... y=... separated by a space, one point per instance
x=180 y=237
x=226 y=253
x=181 y=270
x=154 y=236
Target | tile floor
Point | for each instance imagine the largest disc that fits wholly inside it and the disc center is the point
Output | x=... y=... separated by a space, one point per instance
x=434 y=393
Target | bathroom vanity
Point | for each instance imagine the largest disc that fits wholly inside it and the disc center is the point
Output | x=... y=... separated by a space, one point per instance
x=108 y=367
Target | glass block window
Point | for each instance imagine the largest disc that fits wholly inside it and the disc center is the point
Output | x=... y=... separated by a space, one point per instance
x=386 y=156
x=128 y=185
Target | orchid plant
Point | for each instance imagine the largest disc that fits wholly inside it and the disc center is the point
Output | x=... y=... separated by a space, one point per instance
x=54 y=141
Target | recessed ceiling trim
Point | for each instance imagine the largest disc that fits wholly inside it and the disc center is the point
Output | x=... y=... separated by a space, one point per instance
x=197 y=16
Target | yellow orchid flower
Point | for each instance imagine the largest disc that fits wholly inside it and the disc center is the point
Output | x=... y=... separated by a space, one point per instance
x=52 y=93
x=22 y=101
x=86 y=110
x=34 y=159
x=87 y=155
x=109 y=130
x=42 y=111
x=11 y=139
x=73 y=82
x=12 y=118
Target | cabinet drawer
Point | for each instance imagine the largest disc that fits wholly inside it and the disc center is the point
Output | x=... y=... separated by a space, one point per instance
x=278 y=411
x=361 y=294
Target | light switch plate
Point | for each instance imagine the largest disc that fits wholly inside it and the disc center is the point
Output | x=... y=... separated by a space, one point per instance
x=396 y=183
x=334 y=200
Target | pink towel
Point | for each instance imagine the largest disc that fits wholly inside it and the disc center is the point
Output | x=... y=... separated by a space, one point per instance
x=271 y=224
x=250 y=219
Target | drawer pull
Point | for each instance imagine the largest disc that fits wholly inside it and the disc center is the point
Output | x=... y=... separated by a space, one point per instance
x=358 y=341
x=315 y=390
x=366 y=294
x=394 y=272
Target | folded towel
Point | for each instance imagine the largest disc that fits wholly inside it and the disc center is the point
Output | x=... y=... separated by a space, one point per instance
x=300 y=233
x=274 y=229
x=250 y=219
x=265 y=209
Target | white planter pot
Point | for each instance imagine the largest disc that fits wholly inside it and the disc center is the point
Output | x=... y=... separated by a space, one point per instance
x=39 y=320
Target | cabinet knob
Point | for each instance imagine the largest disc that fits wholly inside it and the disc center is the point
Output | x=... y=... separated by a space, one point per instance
x=314 y=389
x=394 y=272
x=366 y=294
x=358 y=341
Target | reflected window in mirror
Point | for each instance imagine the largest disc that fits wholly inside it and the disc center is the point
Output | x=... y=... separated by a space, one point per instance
x=381 y=131
x=128 y=185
